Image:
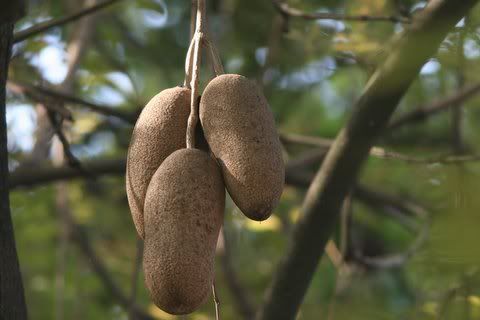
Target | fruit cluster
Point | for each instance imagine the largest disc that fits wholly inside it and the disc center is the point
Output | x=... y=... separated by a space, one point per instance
x=177 y=195
x=176 y=192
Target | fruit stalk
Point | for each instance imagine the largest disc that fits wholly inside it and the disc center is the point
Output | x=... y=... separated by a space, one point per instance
x=197 y=40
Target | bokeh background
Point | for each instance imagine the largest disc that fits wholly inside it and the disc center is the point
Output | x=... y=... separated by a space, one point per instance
x=410 y=241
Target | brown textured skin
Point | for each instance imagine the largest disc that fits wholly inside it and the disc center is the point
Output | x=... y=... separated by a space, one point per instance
x=184 y=210
x=240 y=130
x=159 y=131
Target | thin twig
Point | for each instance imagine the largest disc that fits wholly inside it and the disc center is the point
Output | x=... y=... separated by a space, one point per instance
x=214 y=57
x=241 y=299
x=441 y=159
x=286 y=10
x=67 y=150
x=397 y=259
x=449 y=295
x=306 y=140
x=216 y=301
x=44 y=26
x=137 y=264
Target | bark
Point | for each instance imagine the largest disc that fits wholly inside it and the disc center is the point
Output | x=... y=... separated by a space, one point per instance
x=343 y=162
x=12 y=299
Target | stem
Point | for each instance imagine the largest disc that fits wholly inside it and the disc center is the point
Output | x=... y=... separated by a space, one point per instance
x=193 y=118
x=188 y=64
x=215 y=57
x=193 y=11
x=197 y=40
x=188 y=60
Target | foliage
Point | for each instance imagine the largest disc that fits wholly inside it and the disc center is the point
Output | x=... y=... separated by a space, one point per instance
x=313 y=71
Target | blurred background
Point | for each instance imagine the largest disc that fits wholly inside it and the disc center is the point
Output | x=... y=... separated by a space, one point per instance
x=407 y=243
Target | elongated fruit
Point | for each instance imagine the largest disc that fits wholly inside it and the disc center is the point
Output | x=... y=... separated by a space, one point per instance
x=183 y=214
x=240 y=129
x=159 y=131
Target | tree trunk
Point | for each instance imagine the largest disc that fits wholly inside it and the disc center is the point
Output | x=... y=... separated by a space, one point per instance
x=12 y=299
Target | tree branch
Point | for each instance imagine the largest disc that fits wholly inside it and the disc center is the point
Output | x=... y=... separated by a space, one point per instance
x=367 y=195
x=34 y=92
x=399 y=208
x=286 y=10
x=394 y=260
x=80 y=237
x=30 y=177
x=47 y=25
x=315 y=156
x=67 y=150
x=384 y=199
x=403 y=211
x=424 y=112
x=343 y=162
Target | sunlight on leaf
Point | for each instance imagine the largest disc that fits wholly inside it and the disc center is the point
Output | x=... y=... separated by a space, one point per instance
x=430 y=308
x=200 y=316
x=474 y=300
